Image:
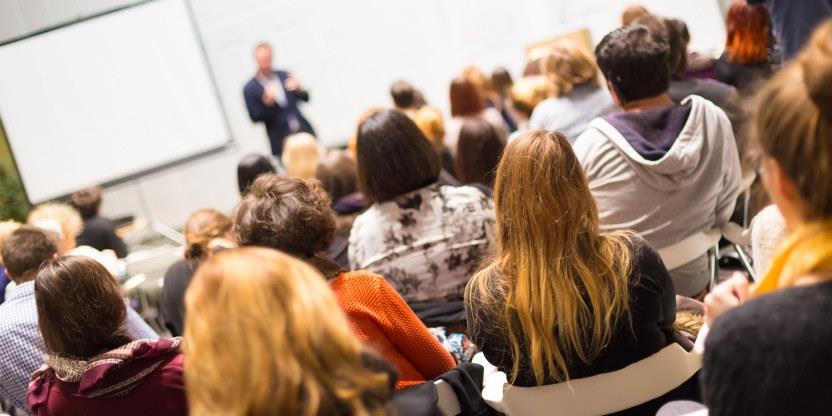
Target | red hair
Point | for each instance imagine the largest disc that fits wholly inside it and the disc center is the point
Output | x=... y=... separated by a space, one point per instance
x=748 y=34
x=465 y=98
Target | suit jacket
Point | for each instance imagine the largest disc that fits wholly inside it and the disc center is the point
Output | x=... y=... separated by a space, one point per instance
x=274 y=116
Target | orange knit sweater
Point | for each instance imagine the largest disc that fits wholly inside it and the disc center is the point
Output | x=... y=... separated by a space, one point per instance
x=381 y=318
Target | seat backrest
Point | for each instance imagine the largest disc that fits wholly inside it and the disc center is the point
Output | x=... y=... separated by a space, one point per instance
x=447 y=401
x=631 y=386
x=689 y=249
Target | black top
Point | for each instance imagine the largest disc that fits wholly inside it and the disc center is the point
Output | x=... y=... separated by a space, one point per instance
x=172 y=302
x=770 y=356
x=740 y=76
x=100 y=233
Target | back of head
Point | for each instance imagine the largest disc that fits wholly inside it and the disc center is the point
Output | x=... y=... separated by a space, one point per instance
x=678 y=38
x=87 y=201
x=633 y=12
x=527 y=93
x=353 y=140
x=466 y=99
x=549 y=246
x=80 y=308
x=250 y=167
x=429 y=120
x=338 y=174
x=748 y=33
x=6 y=229
x=288 y=214
x=475 y=76
x=394 y=157
x=635 y=62
x=792 y=122
x=478 y=152
x=204 y=227
x=301 y=154
x=567 y=66
x=25 y=250
x=265 y=335
x=501 y=81
x=404 y=95
x=64 y=216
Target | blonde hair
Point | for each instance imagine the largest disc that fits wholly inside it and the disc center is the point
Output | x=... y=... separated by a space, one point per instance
x=567 y=66
x=527 y=93
x=430 y=122
x=264 y=335
x=556 y=285
x=205 y=230
x=301 y=154
x=64 y=215
x=792 y=122
x=632 y=13
x=6 y=229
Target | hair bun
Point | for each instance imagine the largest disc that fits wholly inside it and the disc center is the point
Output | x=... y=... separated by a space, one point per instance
x=816 y=62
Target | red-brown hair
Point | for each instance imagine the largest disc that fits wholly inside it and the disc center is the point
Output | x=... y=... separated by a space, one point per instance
x=748 y=30
x=466 y=100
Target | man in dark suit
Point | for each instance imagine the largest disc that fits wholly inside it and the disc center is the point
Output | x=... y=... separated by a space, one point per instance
x=272 y=97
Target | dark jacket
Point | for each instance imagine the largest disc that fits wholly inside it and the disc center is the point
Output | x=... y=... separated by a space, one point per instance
x=172 y=301
x=275 y=117
x=100 y=234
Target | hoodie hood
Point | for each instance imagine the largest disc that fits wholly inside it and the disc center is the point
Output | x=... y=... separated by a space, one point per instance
x=667 y=147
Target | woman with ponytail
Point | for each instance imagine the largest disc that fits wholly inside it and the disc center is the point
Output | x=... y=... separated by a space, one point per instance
x=560 y=300
x=205 y=231
x=767 y=352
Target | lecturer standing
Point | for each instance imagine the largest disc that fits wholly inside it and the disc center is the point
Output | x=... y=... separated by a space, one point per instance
x=272 y=97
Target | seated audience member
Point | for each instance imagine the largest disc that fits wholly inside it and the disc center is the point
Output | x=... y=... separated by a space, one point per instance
x=525 y=95
x=406 y=98
x=430 y=122
x=576 y=96
x=467 y=102
x=301 y=153
x=745 y=61
x=66 y=222
x=560 y=300
x=205 y=231
x=23 y=347
x=633 y=12
x=6 y=229
x=98 y=232
x=501 y=83
x=666 y=171
x=93 y=366
x=794 y=21
x=264 y=335
x=426 y=239
x=767 y=352
x=295 y=217
x=478 y=153
x=250 y=167
x=338 y=175
x=486 y=90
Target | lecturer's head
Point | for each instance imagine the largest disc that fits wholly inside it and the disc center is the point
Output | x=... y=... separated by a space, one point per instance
x=263 y=56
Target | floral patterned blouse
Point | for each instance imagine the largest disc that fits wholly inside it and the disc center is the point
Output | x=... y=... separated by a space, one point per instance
x=427 y=243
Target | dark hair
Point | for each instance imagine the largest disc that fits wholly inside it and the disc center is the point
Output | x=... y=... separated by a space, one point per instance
x=80 y=308
x=635 y=61
x=394 y=156
x=87 y=201
x=289 y=214
x=25 y=250
x=465 y=99
x=249 y=168
x=338 y=174
x=404 y=95
x=478 y=152
x=501 y=81
x=678 y=38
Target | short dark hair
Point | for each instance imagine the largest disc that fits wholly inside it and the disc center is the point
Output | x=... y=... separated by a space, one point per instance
x=501 y=80
x=285 y=213
x=677 y=38
x=478 y=152
x=394 y=156
x=87 y=201
x=338 y=174
x=249 y=168
x=80 y=308
x=635 y=61
x=404 y=95
x=25 y=250
x=465 y=98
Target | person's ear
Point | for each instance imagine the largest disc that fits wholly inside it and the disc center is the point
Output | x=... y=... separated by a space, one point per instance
x=613 y=94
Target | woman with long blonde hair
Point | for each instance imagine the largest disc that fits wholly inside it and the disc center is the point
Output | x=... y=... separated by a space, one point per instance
x=264 y=335
x=560 y=300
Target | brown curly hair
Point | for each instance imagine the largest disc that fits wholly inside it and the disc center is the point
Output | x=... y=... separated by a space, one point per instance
x=289 y=214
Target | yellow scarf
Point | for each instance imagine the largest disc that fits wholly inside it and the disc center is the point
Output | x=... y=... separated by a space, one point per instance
x=806 y=251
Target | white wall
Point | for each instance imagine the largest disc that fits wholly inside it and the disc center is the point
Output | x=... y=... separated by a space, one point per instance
x=346 y=53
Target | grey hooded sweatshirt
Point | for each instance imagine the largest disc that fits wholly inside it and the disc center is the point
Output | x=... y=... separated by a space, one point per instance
x=666 y=174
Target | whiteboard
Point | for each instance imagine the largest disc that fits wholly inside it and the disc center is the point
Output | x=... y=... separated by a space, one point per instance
x=108 y=98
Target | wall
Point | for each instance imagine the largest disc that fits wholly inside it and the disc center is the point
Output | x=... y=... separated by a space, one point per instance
x=346 y=54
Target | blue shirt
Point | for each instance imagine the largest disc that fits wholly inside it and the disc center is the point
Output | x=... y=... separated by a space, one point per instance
x=21 y=346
